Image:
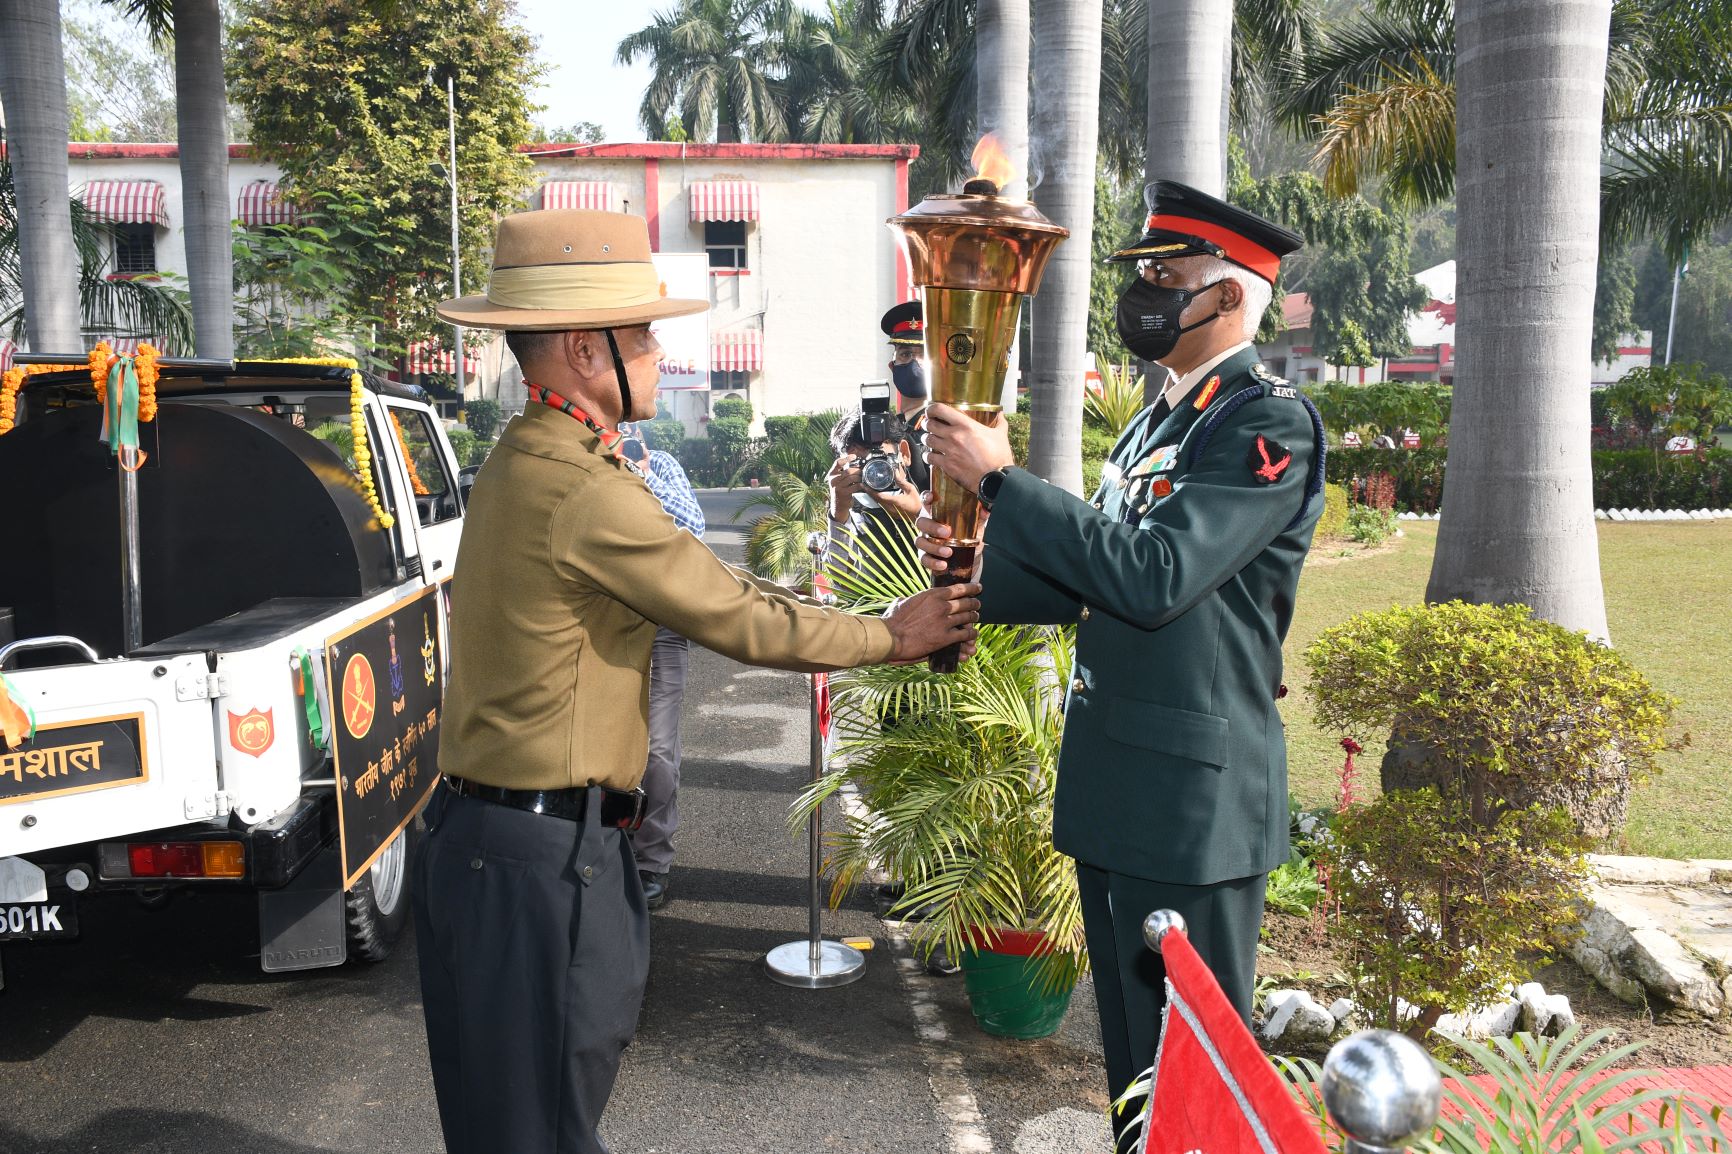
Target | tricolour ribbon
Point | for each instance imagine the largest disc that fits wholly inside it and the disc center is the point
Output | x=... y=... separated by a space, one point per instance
x=120 y=414
x=308 y=687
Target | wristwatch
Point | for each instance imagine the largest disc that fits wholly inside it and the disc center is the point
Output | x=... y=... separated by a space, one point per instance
x=990 y=484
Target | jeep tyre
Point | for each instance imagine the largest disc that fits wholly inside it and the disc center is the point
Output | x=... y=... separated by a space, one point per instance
x=378 y=907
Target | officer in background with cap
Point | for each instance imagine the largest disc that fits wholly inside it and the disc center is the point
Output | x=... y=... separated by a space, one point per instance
x=529 y=910
x=905 y=327
x=1181 y=575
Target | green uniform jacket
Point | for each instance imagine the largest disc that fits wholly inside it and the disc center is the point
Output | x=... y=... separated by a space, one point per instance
x=1181 y=576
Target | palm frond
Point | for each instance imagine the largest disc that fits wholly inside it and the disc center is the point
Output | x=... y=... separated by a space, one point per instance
x=1360 y=57
x=1402 y=128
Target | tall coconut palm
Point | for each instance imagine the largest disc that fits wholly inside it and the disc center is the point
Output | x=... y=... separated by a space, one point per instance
x=33 y=91
x=1188 y=58
x=1067 y=50
x=1518 y=524
x=718 y=63
x=1001 y=31
x=201 y=123
x=201 y=115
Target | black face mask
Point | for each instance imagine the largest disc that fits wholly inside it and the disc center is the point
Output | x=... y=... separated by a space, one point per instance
x=1148 y=317
x=910 y=379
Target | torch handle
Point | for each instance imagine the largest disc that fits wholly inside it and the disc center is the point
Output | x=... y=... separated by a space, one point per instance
x=959 y=570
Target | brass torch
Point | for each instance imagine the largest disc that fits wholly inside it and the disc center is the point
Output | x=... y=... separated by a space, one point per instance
x=973 y=257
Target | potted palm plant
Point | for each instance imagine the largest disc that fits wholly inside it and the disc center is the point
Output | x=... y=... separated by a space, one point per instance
x=956 y=773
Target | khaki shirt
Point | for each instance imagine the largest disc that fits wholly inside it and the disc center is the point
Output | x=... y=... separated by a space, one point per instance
x=567 y=565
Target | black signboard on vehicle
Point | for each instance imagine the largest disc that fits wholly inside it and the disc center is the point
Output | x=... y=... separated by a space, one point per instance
x=75 y=756
x=386 y=676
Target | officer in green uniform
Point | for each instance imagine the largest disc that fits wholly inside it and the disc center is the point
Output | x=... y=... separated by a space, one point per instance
x=1180 y=574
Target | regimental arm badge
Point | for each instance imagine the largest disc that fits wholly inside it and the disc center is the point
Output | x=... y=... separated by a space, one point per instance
x=1268 y=460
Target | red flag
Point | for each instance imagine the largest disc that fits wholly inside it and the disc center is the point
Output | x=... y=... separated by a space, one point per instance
x=1214 y=1091
x=821 y=686
x=821 y=681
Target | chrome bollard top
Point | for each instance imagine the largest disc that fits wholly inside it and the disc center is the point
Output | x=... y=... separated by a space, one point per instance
x=1382 y=1090
x=1156 y=925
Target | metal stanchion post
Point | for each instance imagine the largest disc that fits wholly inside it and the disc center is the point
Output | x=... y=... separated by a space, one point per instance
x=815 y=963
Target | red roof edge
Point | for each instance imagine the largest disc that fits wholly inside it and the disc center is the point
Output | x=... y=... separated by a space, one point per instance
x=650 y=150
x=103 y=150
x=666 y=150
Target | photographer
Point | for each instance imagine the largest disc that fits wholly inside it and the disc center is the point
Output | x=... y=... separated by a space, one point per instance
x=870 y=477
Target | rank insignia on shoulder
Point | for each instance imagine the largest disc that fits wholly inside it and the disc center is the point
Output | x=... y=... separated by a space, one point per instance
x=1268 y=460
x=1208 y=394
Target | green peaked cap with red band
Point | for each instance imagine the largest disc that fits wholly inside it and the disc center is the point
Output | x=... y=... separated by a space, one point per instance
x=1185 y=222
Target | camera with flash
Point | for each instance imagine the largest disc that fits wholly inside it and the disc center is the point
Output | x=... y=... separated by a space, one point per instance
x=878 y=469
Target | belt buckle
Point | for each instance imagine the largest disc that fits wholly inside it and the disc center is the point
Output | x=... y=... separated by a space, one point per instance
x=639 y=801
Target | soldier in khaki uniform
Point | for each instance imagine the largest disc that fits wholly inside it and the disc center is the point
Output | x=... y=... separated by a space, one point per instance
x=533 y=932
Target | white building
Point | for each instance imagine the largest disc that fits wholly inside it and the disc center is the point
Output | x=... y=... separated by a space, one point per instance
x=800 y=264
x=1431 y=355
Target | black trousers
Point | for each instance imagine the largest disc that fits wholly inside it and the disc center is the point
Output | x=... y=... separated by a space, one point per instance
x=534 y=949
x=1223 y=922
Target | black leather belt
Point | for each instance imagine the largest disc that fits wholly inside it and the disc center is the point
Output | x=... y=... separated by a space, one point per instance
x=620 y=809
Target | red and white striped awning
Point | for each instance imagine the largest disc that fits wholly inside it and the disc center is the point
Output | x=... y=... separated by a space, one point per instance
x=261 y=203
x=7 y=348
x=128 y=346
x=737 y=351
x=725 y=200
x=126 y=202
x=592 y=194
x=431 y=357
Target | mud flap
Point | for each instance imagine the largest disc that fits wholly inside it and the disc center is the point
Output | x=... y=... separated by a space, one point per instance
x=301 y=925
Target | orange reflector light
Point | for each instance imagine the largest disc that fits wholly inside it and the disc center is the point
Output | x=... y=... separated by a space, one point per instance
x=224 y=859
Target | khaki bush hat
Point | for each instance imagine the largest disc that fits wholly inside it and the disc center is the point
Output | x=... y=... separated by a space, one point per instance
x=560 y=269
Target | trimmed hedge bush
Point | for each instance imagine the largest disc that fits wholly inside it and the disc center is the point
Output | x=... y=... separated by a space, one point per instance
x=1623 y=478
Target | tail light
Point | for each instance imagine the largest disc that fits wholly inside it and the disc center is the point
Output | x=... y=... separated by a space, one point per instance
x=173 y=859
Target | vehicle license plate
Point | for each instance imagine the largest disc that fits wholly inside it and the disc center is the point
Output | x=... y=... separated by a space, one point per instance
x=34 y=921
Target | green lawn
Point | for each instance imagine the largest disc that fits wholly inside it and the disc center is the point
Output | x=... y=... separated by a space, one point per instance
x=1669 y=603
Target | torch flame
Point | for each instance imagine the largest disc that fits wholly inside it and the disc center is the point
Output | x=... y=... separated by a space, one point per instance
x=991 y=162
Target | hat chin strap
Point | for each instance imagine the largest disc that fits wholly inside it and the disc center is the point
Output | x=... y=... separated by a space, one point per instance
x=619 y=371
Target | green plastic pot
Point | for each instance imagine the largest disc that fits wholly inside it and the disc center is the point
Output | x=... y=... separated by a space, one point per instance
x=1005 y=988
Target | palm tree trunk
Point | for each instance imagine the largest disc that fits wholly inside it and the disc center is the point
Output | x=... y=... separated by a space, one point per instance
x=1190 y=65
x=1001 y=32
x=1067 y=50
x=201 y=116
x=1518 y=522
x=1190 y=55
x=33 y=90
x=1001 y=82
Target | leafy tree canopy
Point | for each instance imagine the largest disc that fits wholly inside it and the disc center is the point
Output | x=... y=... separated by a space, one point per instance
x=1354 y=265
x=339 y=97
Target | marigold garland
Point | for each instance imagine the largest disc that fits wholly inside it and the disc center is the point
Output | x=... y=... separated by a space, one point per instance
x=364 y=455
x=415 y=482
x=357 y=428
x=9 y=386
x=100 y=359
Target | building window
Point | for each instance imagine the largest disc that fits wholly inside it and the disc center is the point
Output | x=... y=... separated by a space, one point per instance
x=723 y=380
x=725 y=241
x=134 y=249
